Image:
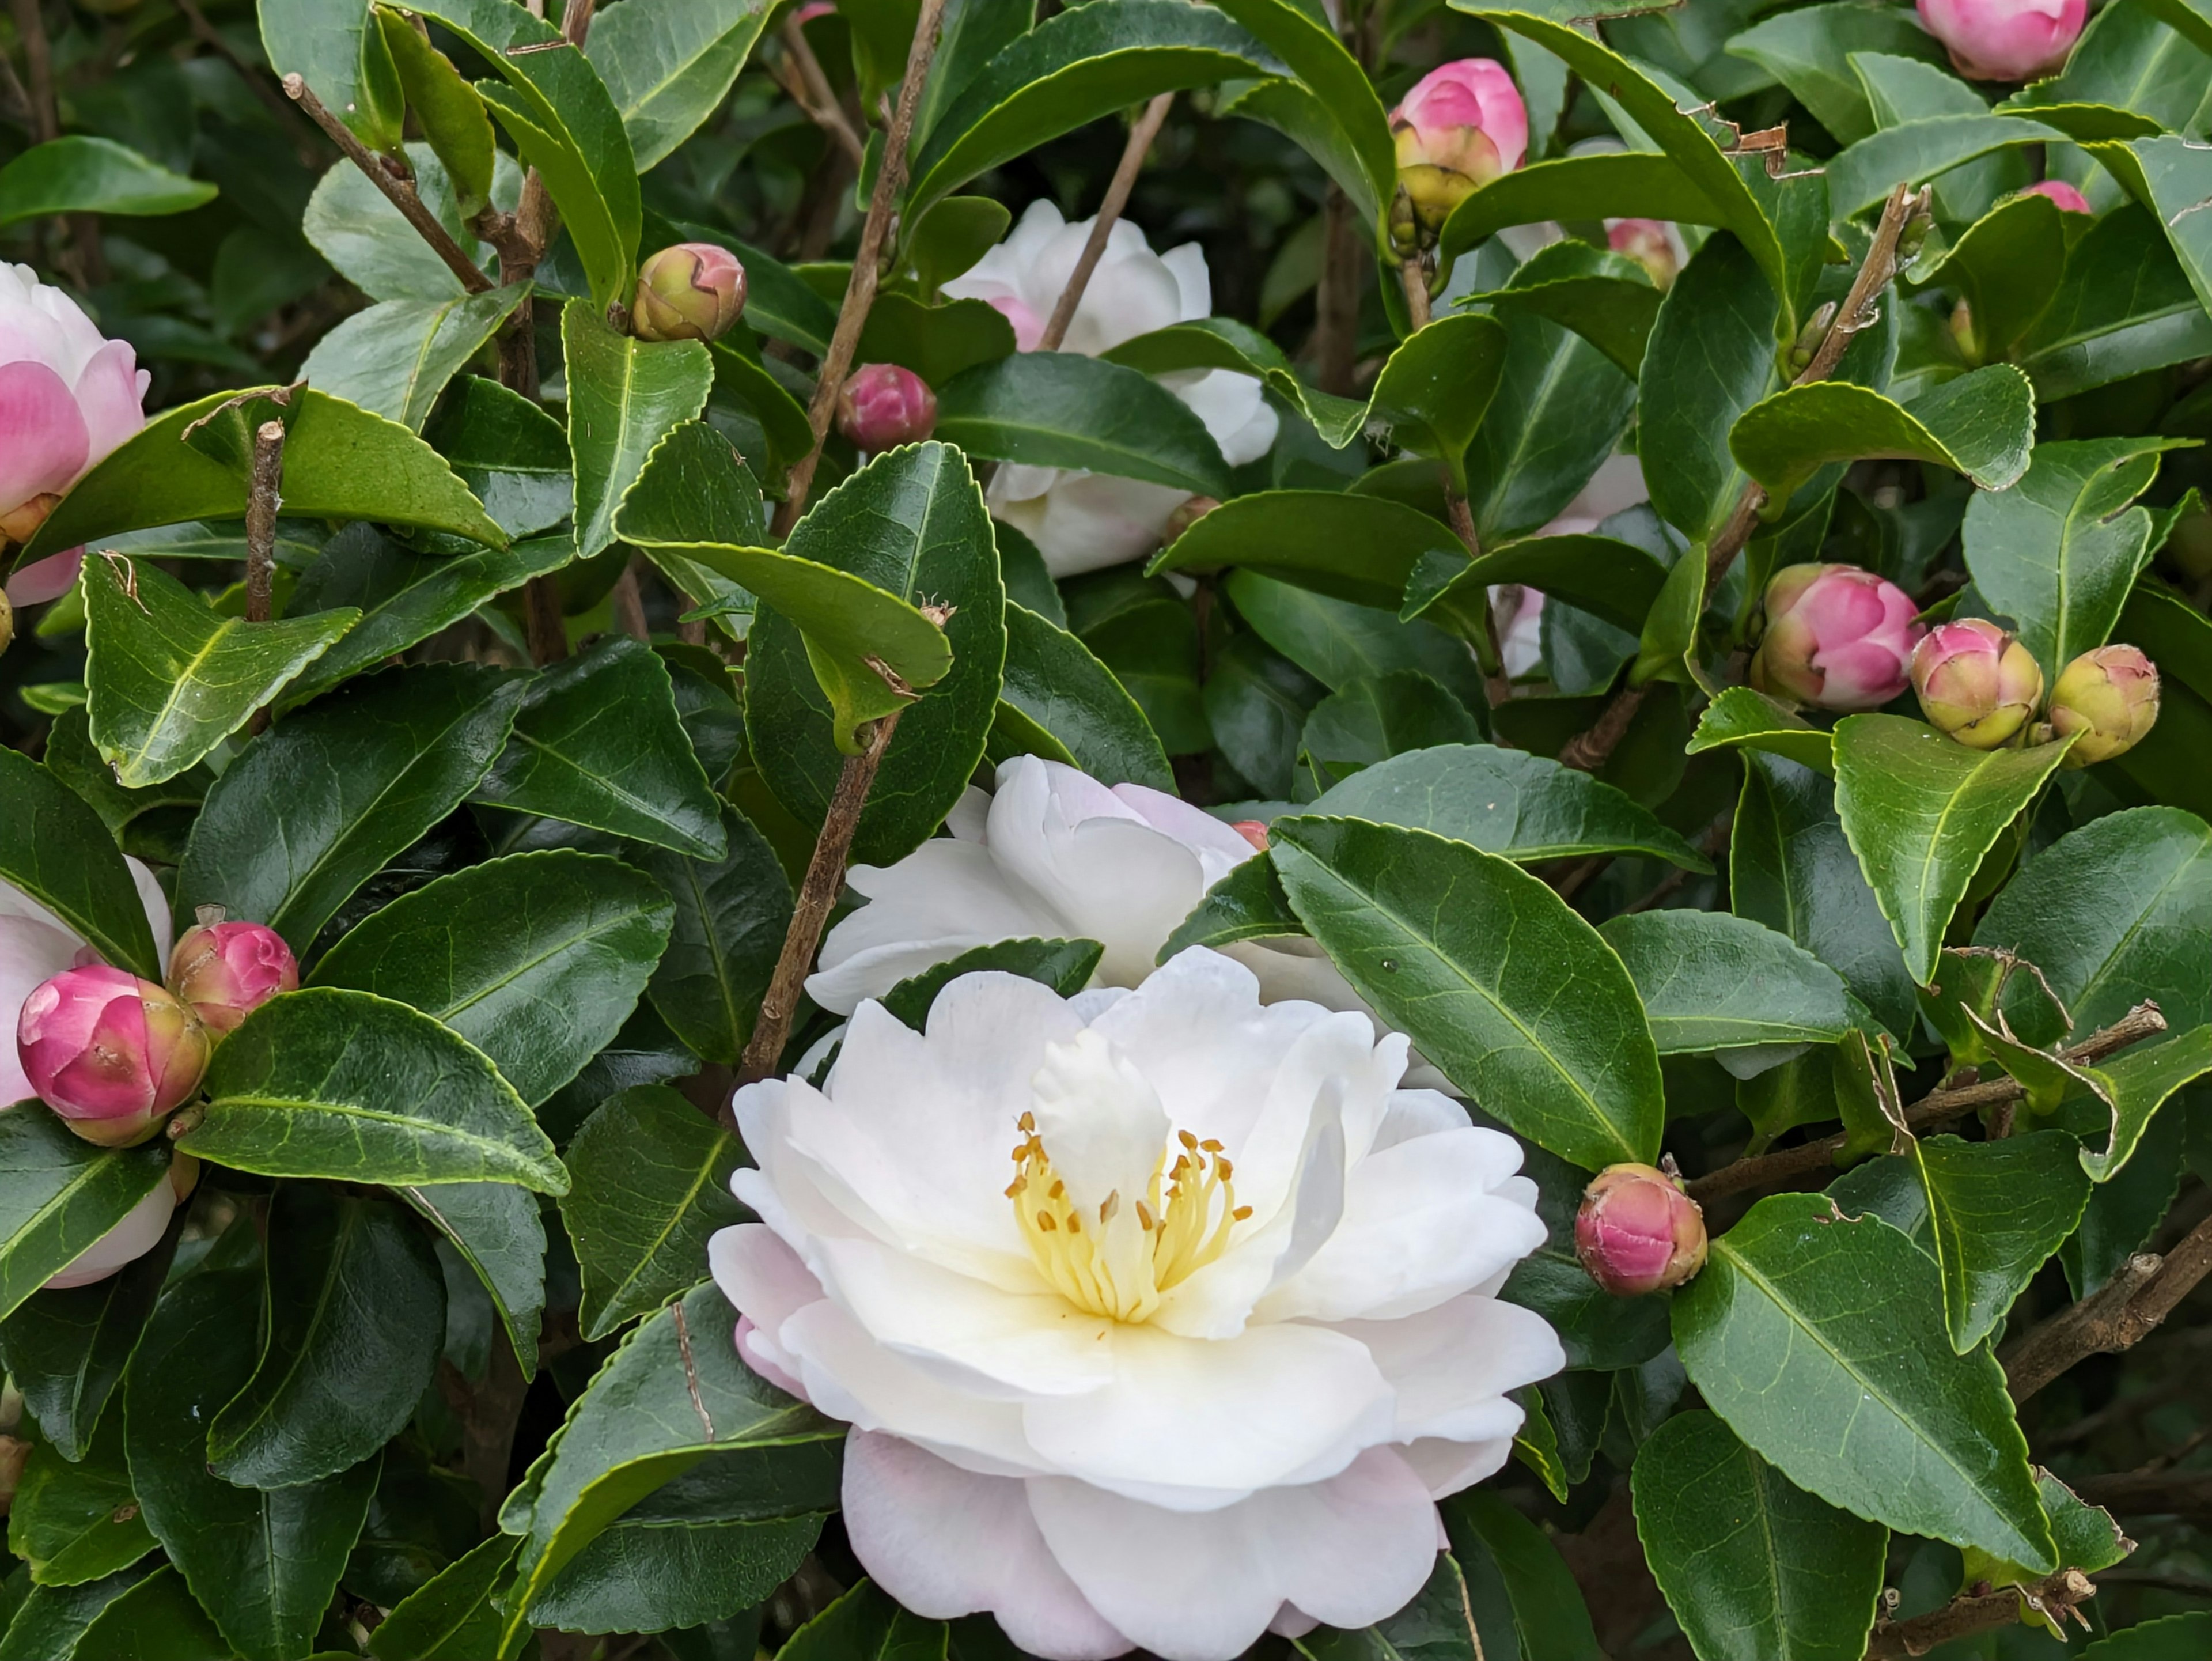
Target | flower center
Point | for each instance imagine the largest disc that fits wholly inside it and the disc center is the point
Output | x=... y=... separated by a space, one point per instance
x=1115 y=1259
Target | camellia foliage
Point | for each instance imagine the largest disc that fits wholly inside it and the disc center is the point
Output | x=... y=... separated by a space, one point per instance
x=962 y=828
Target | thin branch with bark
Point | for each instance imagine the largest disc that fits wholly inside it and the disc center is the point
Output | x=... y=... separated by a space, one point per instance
x=1141 y=135
x=2117 y=1316
x=2057 y=1596
x=261 y=506
x=800 y=75
x=209 y=36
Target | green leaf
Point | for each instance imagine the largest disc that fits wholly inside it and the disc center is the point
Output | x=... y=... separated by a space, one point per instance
x=356 y=1312
x=263 y=1563
x=83 y=174
x=315 y=808
x=1247 y=904
x=2174 y=183
x=394 y=359
x=1753 y=1566
x=340 y=53
x=669 y=63
x=1862 y=174
x=647 y=1577
x=352 y=1087
x=864 y=1625
x=1821 y=1342
x=1435 y=1627
x=1359 y=548
x=1372 y=720
x=1743 y=719
x=761 y=398
x=158 y=1619
x=168 y=678
x=1520 y=1592
x=1808 y=50
x=731 y=915
x=1066 y=966
x=2058 y=552
x=673 y=1397
x=450 y=113
x=936 y=341
x=625 y=397
x=1336 y=641
x=1997 y=1211
x=1710 y=981
x=2139 y=1081
x=1921 y=811
x=911 y=522
x=2002 y=266
x=60 y=1194
x=1711 y=358
x=597 y=743
x=356 y=227
x=2176 y=1638
x=1599 y=1331
x=56 y=850
x=509 y=451
x=1980 y=424
x=77 y=1522
x=496 y=1228
x=1666 y=644
x=2124 y=305
x=1510 y=994
x=452 y=1617
x=1062 y=693
x=1062 y=410
x=1223 y=342
x=51 y=1619
x=565 y=124
x=1436 y=387
x=1621 y=183
x=340 y=462
x=652 y=1182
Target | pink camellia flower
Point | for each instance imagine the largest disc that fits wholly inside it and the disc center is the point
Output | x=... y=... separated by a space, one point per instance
x=108 y=1052
x=693 y=291
x=882 y=406
x=2069 y=199
x=1976 y=682
x=224 y=971
x=139 y=1232
x=1837 y=637
x=2005 y=40
x=1638 y=1232
x=1462 y=126
x=67 y=397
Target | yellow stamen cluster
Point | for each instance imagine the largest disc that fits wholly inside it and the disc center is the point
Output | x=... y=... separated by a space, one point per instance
x=1116 y=1260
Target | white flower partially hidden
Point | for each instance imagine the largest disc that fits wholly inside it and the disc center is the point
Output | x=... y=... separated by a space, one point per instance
x=1082 y=521
x=1162 y=1318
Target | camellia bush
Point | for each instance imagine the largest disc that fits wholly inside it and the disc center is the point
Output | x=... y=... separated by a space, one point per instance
x=952 y=829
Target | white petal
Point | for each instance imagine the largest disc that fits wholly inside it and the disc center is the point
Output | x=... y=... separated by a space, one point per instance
x=945 y=897
x=1221 y=848
x=1203 y=1586
x=1452 y=1366
x=31 y=951
x=945 y=1543
x=767 y=1285
x=1448 y=1466
x=1236 y=412
x=969 y=815
x=1193 y=281
x=1091 y=520
x=138 y=1233
x=1418 y=1113
x=157 y=907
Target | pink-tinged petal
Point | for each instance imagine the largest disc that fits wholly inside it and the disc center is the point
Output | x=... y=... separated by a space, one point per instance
x=43 y=442
x=109 y=392
x=947 y=1542
x=1860 y=674
x=156 y=904
x=1450 y=1368
x=46 y=579
x=32 y=951
x=945 y=897
x=766 y=1284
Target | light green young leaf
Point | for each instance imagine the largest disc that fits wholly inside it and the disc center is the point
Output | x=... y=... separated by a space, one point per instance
x=625 y=397
x=1981 y=424
x=80 y=173
x=669 y=63
x=394 y=359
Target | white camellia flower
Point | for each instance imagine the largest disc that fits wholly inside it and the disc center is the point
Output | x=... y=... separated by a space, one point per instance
x=1082 y=521
x=1162 y=1318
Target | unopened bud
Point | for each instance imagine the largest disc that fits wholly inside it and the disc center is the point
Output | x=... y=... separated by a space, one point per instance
x=226 y=970
x=882 y=406
x=1187 y=514
x=108 y=1052
x=1837 y=637
x=1462 y=124
x=21 y=522
x=1252 y=831
x=1638 y=1232
x=2070 y=199
x=1807 y=346
x=1976 y=682
x=2005 y=40
x=2110 y=698
x=693 y=291
x=1651 y=243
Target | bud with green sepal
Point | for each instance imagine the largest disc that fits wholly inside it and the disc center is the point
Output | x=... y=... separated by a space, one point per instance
x=1976 y=682
x=693 y=291
x=1638 y=1232
x=2107 y=700
x=111 y=1054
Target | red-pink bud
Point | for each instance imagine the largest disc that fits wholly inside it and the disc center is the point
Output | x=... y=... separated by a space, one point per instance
x=2069 y=199
x=1651 y=243
x=1462 y=124
x=1976 y=682
x=1837 y=637
x=882 y=406
x=693 y=291
x=1188 y=514
x=1638 y=1232
x=227 y=971
x=108 y=1052
x=2110 y=697
x=1252 y=831
x=2005 y=40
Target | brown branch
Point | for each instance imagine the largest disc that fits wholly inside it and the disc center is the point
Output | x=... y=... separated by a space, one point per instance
x=2149 y=1492
x=2057 y=1596
x=267 y=479
x=543 y=624
x=38 y=58
x=867 y=261
x=209 y=36
x=400 y=192
x=630 y=604
x=1936 y=1107
x=811 y=90
x=2117 y=1316
x=1141 y=135
x=1334 y=345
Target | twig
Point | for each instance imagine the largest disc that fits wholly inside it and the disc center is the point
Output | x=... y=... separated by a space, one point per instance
x=825 y=874
x=1334 y=345
x=543 y=624
x=812 y=92
x=209 y=36
x=1936 y=1107
x=399 y=191
x=630 y=604
x=2143 y=1493
x=2057 y=1596
x=1412 y=274
x=867 y=261
x=1141 y=135
x=267 y=479
x=2117 y=1316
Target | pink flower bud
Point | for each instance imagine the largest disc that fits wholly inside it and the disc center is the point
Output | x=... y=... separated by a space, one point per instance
x=693 y=291
x=227 y=971
x=882 y=406
x=2005 y=40
x=2069 y=199
x=2110 y=697
x=1651 y=243
x=1837 y=637
x=1976 y=682
x=1252 y=831
x=110 y=1052
x=1638 y=1232
x=1462 y=126
x=1184 y=517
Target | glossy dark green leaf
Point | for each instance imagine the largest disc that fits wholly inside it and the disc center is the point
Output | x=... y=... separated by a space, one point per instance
x=1223 y=342
x=1981 y=424
x=2124 y=305
x=731 y=914
x=357 y=228
x=1510 y=994
x=1613 y=579
x=452 y=1617
x=1862 y=174
x=1435 y=1627
x=1821 y=1342
x=1711 y=357
x=1754 y=1567
x=1066 y=966
x=1055 y=686
x=340 y=53
x=352 y=1087
x=1710 y=981
x=2175 y=1638
x=669 y=65
x=394 y=359
x=1372 y=720
x=56 y=850
x=51 y=1619
x=936 y=341
x=1247 y=904
x=356 y=1311
x=1808 y=50
x=1607 y=184
x=625 y=397
x=59 y=1193
x=1341 y=124
x=316 y=805
x=1612 y=307
x=79 y=173
x=1360 y=548
x=169 y=678
x=1256 y=703
x=911 y=522
x=496 y=1229
x=1742 y=718
x=1062 y=410
x=1520 y=1593
x=652 y=1182
x=1997 y=1211
x=2136 y=1084
x=513 y=455
x=1921 y=811
x=1337 y=642
x=2001 y=266
x=1436 y=387
x=77 y=1523
x=649 y=1578
x=262 y=1562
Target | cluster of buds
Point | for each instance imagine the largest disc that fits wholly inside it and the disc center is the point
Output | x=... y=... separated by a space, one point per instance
x=1638 y=1232
x=693 y=291
x=882 y=406
x=114 y=1056
x=1462 y=124
x=1982 y=686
